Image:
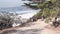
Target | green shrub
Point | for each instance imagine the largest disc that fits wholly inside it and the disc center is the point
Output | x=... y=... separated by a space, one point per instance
x=49 y=9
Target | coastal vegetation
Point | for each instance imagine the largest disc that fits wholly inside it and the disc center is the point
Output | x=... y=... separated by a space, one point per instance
x=31 y=5
x=5 y=21
x=49 y=9
x=9 y=21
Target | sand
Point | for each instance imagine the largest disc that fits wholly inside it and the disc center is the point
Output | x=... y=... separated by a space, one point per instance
x=37 y=27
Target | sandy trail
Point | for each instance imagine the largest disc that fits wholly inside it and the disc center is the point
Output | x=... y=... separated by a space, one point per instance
x=37 y=27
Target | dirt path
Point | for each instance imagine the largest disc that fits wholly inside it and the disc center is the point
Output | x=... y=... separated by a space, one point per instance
x=37 y=27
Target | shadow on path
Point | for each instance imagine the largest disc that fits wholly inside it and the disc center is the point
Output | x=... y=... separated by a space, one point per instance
x=29 y=31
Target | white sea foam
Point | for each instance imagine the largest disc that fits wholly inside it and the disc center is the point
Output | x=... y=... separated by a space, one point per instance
x=29 y=14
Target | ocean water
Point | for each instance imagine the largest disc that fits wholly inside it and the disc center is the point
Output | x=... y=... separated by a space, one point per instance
x=18 y=9
x=12 y=3
x=17 y=6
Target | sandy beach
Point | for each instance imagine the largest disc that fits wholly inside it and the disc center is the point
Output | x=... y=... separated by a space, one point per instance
x=37 y=27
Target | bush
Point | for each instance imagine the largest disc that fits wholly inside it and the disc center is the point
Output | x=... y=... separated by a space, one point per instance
x=48 y=9
x=5 y=22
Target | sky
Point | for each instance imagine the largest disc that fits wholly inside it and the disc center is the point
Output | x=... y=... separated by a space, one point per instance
x=10 y=3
